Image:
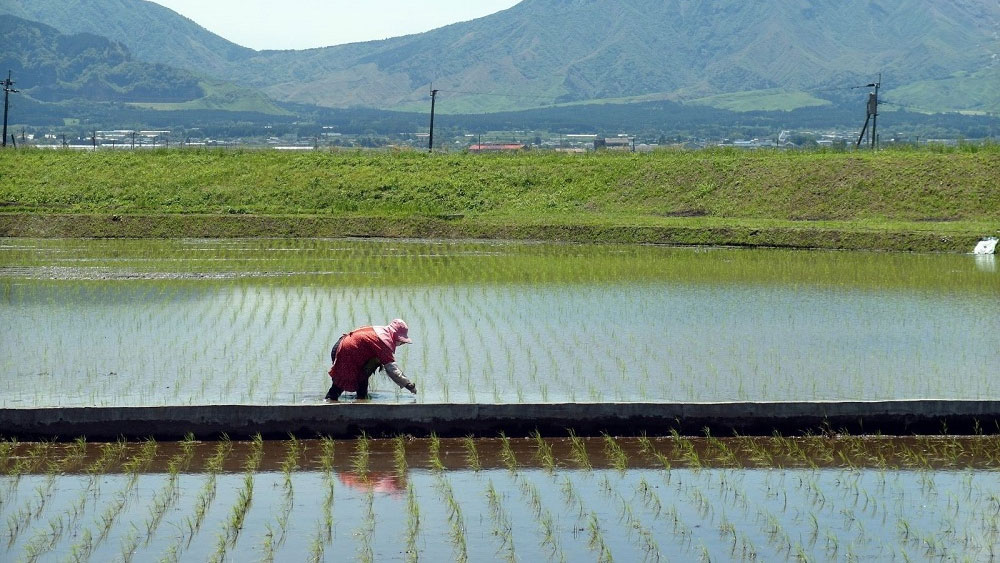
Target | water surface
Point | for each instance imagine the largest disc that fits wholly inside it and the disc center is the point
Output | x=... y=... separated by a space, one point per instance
x=252 y=321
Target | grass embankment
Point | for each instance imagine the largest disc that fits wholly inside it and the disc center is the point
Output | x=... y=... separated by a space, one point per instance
x=895 y=199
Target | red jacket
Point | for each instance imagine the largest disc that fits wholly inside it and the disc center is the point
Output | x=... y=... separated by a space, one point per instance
x=356 y=349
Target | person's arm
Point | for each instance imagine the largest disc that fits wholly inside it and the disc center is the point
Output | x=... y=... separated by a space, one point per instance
x=395 y=374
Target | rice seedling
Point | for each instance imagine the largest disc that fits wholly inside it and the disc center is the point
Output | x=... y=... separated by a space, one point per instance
x=399 y=455
x=110 y=515
x=327 y=447
x=579 y=450
x=472 y=454
x=650 y=498
x=142 y=459
x=688 y=451
x=596 y=541
x=544 y=452
x=434 y=452
x=129 y=544
x=362 y=453
x=82 y=549
x=615 y=453
x=316 y=548
x=44 y=540
x=267 y=547
x=507 y=453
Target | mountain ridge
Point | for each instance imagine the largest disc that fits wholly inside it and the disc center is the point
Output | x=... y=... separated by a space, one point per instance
x=540 y=53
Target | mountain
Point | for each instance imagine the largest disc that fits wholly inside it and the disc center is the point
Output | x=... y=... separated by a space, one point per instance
x=735 y=54
x=56 y=68
x=53 y=67
x=151 y=32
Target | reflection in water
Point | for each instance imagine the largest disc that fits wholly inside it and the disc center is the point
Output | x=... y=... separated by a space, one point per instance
x=374 y=481
x=986 y=262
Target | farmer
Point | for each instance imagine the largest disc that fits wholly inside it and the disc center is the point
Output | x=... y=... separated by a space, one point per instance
x=357 y=355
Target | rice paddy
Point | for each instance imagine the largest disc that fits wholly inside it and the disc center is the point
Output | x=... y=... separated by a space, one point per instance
x=178 y=322
x=504 y=499
x=203 y=322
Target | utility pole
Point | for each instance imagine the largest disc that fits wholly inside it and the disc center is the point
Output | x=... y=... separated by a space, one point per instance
x=430 y=141
x=872 y=114
x=8 y=89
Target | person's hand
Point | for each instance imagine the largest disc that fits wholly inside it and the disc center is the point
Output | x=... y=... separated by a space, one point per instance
x=411 y=387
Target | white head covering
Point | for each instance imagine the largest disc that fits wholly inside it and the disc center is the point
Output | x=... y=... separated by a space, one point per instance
x=394 y=334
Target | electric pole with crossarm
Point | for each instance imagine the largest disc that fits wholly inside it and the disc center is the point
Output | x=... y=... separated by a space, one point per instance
x=872 y=114
x=8 y=88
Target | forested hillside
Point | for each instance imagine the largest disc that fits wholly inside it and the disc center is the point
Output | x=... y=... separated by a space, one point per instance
x=53 y=67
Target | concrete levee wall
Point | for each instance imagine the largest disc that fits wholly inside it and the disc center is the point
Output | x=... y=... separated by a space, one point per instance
x=348 y=420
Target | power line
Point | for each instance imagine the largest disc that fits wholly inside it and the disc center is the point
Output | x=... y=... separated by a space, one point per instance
x=500 y=95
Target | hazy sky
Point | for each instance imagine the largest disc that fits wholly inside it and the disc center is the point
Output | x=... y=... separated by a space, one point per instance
x=301 y=24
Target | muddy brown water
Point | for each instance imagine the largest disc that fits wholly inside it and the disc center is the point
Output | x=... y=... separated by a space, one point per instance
x=913 y=452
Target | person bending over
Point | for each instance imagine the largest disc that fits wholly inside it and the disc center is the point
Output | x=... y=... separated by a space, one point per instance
x=357 y=355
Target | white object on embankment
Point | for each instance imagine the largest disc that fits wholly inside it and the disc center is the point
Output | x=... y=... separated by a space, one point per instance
x=986 y=246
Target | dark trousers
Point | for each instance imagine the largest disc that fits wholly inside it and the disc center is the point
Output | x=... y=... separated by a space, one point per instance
x=335 y=391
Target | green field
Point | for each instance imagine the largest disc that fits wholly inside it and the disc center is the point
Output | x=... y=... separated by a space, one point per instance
x=930 y=199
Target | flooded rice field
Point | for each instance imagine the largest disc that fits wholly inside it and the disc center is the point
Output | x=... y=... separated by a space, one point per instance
x=507 y=499
x=111 y=322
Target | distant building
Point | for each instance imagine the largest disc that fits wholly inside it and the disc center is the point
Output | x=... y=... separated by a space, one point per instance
x=496 y=147
x=615 y=144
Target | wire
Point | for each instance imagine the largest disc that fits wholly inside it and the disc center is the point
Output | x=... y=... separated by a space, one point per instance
x=498 y=95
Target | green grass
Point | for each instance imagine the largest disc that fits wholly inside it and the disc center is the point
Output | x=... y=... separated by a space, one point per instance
x=725 y=196
x=221 y=96
x=973 y=93
x=762 y=100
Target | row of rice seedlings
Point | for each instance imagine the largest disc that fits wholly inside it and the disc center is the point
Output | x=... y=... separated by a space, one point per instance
x=252 y=320
x=230 y=532
x=324 y=528
x=168 y=494
x=206 y=495
x=289 y=464
x=366 y=531
x=502 y=525
x=456 y=521
x=548 y=530
x=412 y=523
